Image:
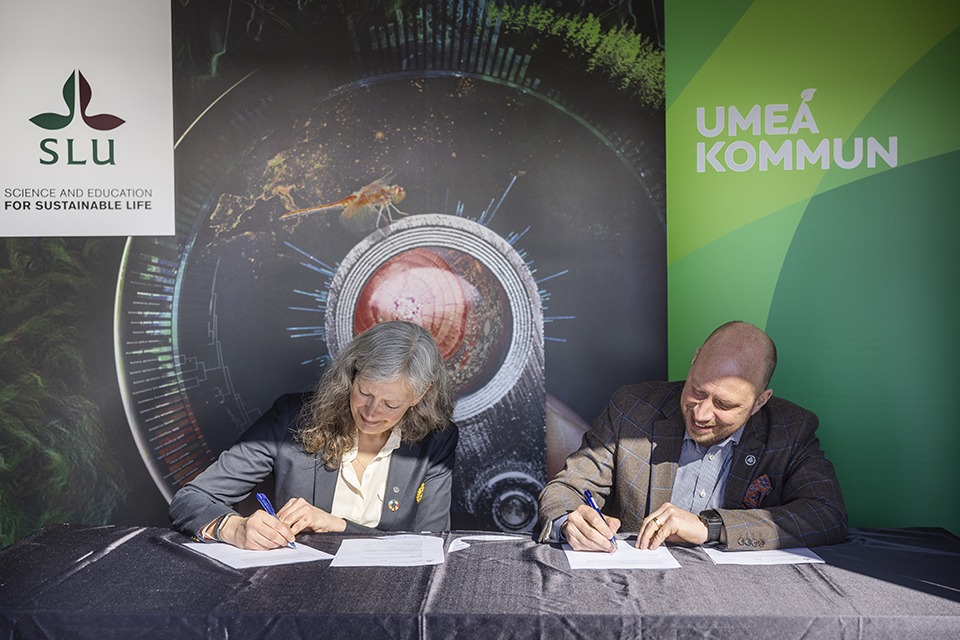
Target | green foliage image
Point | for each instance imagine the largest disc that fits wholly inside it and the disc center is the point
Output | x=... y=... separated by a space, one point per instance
x=630 y=60
x=52 y=465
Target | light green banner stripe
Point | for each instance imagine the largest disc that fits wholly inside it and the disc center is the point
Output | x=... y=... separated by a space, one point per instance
x=920 y=109
x=851 y=55
x=694 y=31
x=755 y=254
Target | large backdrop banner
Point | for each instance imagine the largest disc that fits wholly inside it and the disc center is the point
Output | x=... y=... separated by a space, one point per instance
x=812 y=190
x=496 y=171
x=491 y=170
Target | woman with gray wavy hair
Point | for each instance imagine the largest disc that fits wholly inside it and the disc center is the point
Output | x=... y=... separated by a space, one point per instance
x=372 y=447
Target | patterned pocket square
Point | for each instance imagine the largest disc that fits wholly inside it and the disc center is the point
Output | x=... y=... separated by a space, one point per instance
x=757 y=490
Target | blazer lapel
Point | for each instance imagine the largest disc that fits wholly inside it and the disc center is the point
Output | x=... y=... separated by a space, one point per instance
x=743 y=467
x=324 y=485
x=403 y=462
x=667 y=440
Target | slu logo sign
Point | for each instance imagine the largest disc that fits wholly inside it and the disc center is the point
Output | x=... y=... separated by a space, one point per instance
x=56 y=121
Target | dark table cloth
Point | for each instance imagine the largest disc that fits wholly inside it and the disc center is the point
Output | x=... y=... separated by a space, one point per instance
x=71 y=581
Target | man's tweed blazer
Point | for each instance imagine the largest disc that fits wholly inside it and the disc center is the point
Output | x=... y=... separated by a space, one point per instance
x=781 y=491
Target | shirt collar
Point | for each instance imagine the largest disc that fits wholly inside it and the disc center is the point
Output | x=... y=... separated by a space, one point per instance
x=394 y=440
x=392 y=443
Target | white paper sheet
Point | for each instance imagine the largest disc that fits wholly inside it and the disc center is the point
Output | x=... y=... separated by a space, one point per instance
x=626 y=557
x=391 y=551
x=799 y=555
x=464 y=542
x=243 y=559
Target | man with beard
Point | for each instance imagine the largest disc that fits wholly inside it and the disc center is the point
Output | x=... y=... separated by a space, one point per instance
x=716 y=459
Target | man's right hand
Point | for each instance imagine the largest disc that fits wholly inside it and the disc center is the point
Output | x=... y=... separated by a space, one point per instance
x=258 y=532
x=585 y=530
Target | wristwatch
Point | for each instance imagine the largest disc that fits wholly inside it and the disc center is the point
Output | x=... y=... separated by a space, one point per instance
x=712 y=521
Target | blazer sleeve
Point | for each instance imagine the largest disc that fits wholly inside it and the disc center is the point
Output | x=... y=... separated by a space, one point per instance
x=592 y=466
x=237 y=471
x=795 y=493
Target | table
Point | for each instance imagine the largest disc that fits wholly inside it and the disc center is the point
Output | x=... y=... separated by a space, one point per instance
x=105 y=582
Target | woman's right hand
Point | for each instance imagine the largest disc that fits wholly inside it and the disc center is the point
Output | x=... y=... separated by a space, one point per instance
x=258 y=532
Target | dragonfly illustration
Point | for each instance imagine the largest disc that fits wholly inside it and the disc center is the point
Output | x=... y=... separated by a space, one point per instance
x=364 y=209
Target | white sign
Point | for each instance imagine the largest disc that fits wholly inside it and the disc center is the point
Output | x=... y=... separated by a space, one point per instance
x=86 y=119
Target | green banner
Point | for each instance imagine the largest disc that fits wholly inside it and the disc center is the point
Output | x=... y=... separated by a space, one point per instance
x=812 y=155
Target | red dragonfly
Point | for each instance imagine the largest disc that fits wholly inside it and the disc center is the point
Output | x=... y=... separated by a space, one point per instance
x=364 y=209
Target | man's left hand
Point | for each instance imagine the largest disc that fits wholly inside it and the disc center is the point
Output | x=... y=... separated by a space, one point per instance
x=670 y=524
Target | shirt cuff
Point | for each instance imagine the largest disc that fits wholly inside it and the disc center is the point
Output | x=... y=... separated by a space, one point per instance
x=551 y=531
x=211 y=532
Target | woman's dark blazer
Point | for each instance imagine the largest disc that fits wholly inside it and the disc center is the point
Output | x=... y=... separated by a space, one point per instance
x=417 y=494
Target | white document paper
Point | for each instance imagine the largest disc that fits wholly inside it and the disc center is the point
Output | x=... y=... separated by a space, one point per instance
x=626 y=557
x=243 y=558
x=464 y=542
x=391 y=551
x=799 y=555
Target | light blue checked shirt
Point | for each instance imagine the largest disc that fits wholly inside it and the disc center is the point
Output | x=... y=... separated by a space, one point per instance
x=702 y=473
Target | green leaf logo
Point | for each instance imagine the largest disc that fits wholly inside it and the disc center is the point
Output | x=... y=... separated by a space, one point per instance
x=55 y=121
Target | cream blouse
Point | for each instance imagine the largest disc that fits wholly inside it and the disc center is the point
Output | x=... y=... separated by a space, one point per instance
x=360 y=500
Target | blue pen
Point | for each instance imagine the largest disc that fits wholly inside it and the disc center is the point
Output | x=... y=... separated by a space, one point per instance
x=265 y=501
x=593 y=505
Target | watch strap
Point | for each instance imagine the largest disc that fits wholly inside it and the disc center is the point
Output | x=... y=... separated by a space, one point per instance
x=712 y=520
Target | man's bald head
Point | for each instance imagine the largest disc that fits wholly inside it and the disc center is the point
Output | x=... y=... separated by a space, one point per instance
x=745 y=349
x=727 y=382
